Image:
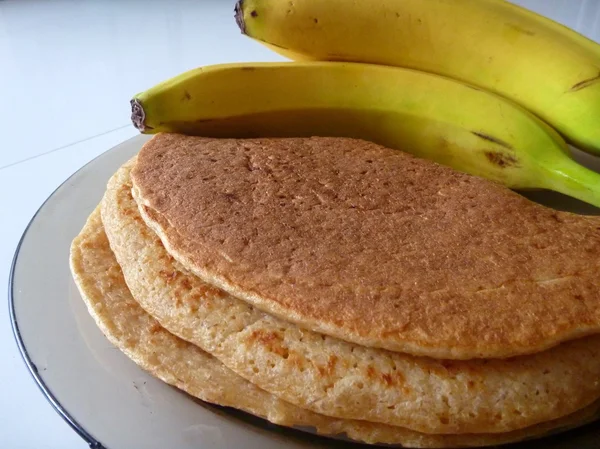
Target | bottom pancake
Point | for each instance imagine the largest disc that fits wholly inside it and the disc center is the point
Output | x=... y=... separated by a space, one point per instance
x=176 y=362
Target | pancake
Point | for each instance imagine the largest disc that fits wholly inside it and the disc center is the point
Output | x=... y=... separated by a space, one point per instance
x=335 y=378
x=141 y=338
x=373 y=246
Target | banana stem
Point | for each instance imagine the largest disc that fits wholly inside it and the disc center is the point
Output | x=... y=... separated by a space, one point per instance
x=570 y=178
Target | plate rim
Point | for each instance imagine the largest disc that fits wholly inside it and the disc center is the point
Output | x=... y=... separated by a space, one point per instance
x=92 y=442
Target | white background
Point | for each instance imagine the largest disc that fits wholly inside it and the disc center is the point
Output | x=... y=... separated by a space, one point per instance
x=67 y=72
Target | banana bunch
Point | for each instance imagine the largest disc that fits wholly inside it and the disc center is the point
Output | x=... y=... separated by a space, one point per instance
x=460 y=122
x=495 y=45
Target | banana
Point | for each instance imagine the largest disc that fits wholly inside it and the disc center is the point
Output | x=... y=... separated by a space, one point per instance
x=428 y=115
x=547 y=68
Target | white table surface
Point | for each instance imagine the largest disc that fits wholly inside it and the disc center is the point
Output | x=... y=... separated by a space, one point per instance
x=67 y=71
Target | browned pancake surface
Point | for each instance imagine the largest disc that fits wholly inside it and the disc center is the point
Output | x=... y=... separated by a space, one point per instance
x=372 y=245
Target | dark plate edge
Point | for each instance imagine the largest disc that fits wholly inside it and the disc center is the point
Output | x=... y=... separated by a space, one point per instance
x=70 y=420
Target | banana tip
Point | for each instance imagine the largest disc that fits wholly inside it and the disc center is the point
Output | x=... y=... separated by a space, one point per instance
x=138 y=116
x=239 y=15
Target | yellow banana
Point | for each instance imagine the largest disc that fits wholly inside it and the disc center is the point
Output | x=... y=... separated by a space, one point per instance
x=548 y=68
x=428 y=115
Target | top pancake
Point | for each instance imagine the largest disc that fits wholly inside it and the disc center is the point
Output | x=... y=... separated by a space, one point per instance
x=372 y=245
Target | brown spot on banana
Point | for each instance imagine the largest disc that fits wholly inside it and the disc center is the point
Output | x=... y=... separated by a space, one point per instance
x=585 y=83
x=186 y=96
x=520 y=29
x=500 y=159
x=471 y=86
x=492 y=139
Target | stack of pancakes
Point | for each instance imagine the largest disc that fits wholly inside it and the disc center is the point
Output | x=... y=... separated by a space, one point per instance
x=341 y=285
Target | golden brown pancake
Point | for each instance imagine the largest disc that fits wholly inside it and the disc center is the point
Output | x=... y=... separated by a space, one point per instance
x=373 y=246
x=140 y=337
x=335 y=378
